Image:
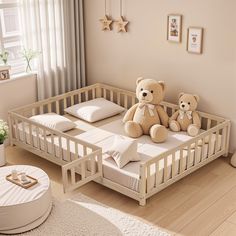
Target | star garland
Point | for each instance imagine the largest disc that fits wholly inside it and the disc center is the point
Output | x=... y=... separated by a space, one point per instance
x=121 y=23
x=106 y=21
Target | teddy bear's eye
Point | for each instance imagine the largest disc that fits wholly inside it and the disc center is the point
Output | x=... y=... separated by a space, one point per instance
x=188 y=103
x=141 y=89
x=181 y=102
x=151 y=91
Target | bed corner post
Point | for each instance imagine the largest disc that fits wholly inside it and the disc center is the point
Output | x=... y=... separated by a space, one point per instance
x=142 y=185
x=227 y=140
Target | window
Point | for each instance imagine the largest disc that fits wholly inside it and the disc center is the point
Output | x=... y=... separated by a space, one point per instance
x=10 y=34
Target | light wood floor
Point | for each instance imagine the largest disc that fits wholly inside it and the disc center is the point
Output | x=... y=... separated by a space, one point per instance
x=204 y=203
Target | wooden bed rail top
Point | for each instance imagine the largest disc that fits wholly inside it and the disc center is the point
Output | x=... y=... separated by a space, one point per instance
x=54 y=131
x=99 y=87
x=185 y=144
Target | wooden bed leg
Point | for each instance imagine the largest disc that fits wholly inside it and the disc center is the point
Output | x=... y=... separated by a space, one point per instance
x=142 y=202
x=233 y=160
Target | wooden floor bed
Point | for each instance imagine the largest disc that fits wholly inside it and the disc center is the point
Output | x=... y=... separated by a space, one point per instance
x=81 y=156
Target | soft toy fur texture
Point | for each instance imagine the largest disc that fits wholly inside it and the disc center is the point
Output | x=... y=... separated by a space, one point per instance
x=147 y=116
x=186 y=118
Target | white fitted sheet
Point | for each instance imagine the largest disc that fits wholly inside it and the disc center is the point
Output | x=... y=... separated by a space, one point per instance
x=102 y=134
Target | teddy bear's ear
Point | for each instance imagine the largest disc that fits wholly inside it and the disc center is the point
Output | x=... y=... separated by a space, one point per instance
x=180 y=95
x=196 y=97
x=162 y=83
x=138 y=80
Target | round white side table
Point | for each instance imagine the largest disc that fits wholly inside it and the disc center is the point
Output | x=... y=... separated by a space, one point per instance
x=23 y=209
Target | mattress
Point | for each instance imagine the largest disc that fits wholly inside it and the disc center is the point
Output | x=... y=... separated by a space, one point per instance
x=102 y=134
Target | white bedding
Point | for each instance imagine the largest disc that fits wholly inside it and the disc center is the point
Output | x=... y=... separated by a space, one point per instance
x=102 y=134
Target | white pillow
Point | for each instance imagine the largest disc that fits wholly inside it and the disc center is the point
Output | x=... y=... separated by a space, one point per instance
x=94 y=110
x=54 y=121
x=124 y=151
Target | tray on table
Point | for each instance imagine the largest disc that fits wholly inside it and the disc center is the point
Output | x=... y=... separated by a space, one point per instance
x=18 y=182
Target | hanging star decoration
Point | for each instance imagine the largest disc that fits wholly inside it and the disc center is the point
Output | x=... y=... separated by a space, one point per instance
x=122 y=25
x=106 y=23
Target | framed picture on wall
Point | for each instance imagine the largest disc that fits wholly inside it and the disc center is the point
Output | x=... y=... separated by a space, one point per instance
x=195 y=40
x=174 y=28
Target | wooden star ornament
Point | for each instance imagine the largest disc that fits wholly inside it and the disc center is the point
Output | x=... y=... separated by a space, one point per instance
x=122 y=25
x=106 y=23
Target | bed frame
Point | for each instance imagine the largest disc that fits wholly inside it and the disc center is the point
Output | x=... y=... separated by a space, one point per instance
x=74 y=170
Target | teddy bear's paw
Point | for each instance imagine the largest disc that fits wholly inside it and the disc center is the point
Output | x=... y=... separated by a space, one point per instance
x=174 y=126
x=193 y=130
x=158 y=133
x=133 y=129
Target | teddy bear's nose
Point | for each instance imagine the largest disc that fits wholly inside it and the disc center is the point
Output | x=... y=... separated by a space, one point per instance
x=183 y=105
x=144 y=94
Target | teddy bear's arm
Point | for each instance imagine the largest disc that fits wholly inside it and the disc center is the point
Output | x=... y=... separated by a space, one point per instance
x=174 y=116
x=163 y=116
x=196 y=119
x=130 y=113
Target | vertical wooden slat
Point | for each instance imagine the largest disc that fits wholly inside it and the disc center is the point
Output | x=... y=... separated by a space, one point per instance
x=105 y=93
x=23 y=132
x=49 y=107
x=217 y=141
x=37 y=137
x=208 y=123
x=72 y=100
x=86 y=95
x=165 y=168
x=157 y=172
x=111 y=96
x=223 y=140
x=68 y=149
x=64 y=103
x=209 y=145
x=57 y=107
x=188 y=156
x=126 y=101
x=93 y=93
x=148 y=178
x=33 y=112
x=72 y=175
x=93 y=164
x=41 y=109
x=45 y=140
x=195 y=153
x=118 y=98
x=173 y=165
x=203 y=148
x=52 y=143
x=79 y=97
x=17 y=129
x=60 y=148
x=31 y=134
x=181 y=161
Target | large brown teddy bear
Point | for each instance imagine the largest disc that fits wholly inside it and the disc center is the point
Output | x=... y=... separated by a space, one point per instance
x=186 y=118
x=147 y=116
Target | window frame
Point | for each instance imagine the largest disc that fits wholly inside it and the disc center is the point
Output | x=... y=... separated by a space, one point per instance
x=18 y=68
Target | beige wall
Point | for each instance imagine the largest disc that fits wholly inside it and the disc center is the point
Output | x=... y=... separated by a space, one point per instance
x=118 y=59
x=18 y=91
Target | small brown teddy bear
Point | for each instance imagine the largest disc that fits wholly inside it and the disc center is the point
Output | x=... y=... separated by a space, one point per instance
x=186 y=118
x=147 y=116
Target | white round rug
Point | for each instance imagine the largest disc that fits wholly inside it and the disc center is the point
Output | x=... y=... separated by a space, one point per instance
x=83 y=216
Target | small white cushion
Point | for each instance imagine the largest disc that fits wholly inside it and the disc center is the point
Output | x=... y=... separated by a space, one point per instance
x=124 y=151
x=54 y=121
x=94 y=110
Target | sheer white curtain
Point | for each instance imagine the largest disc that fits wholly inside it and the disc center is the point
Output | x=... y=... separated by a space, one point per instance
x=55 y=28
